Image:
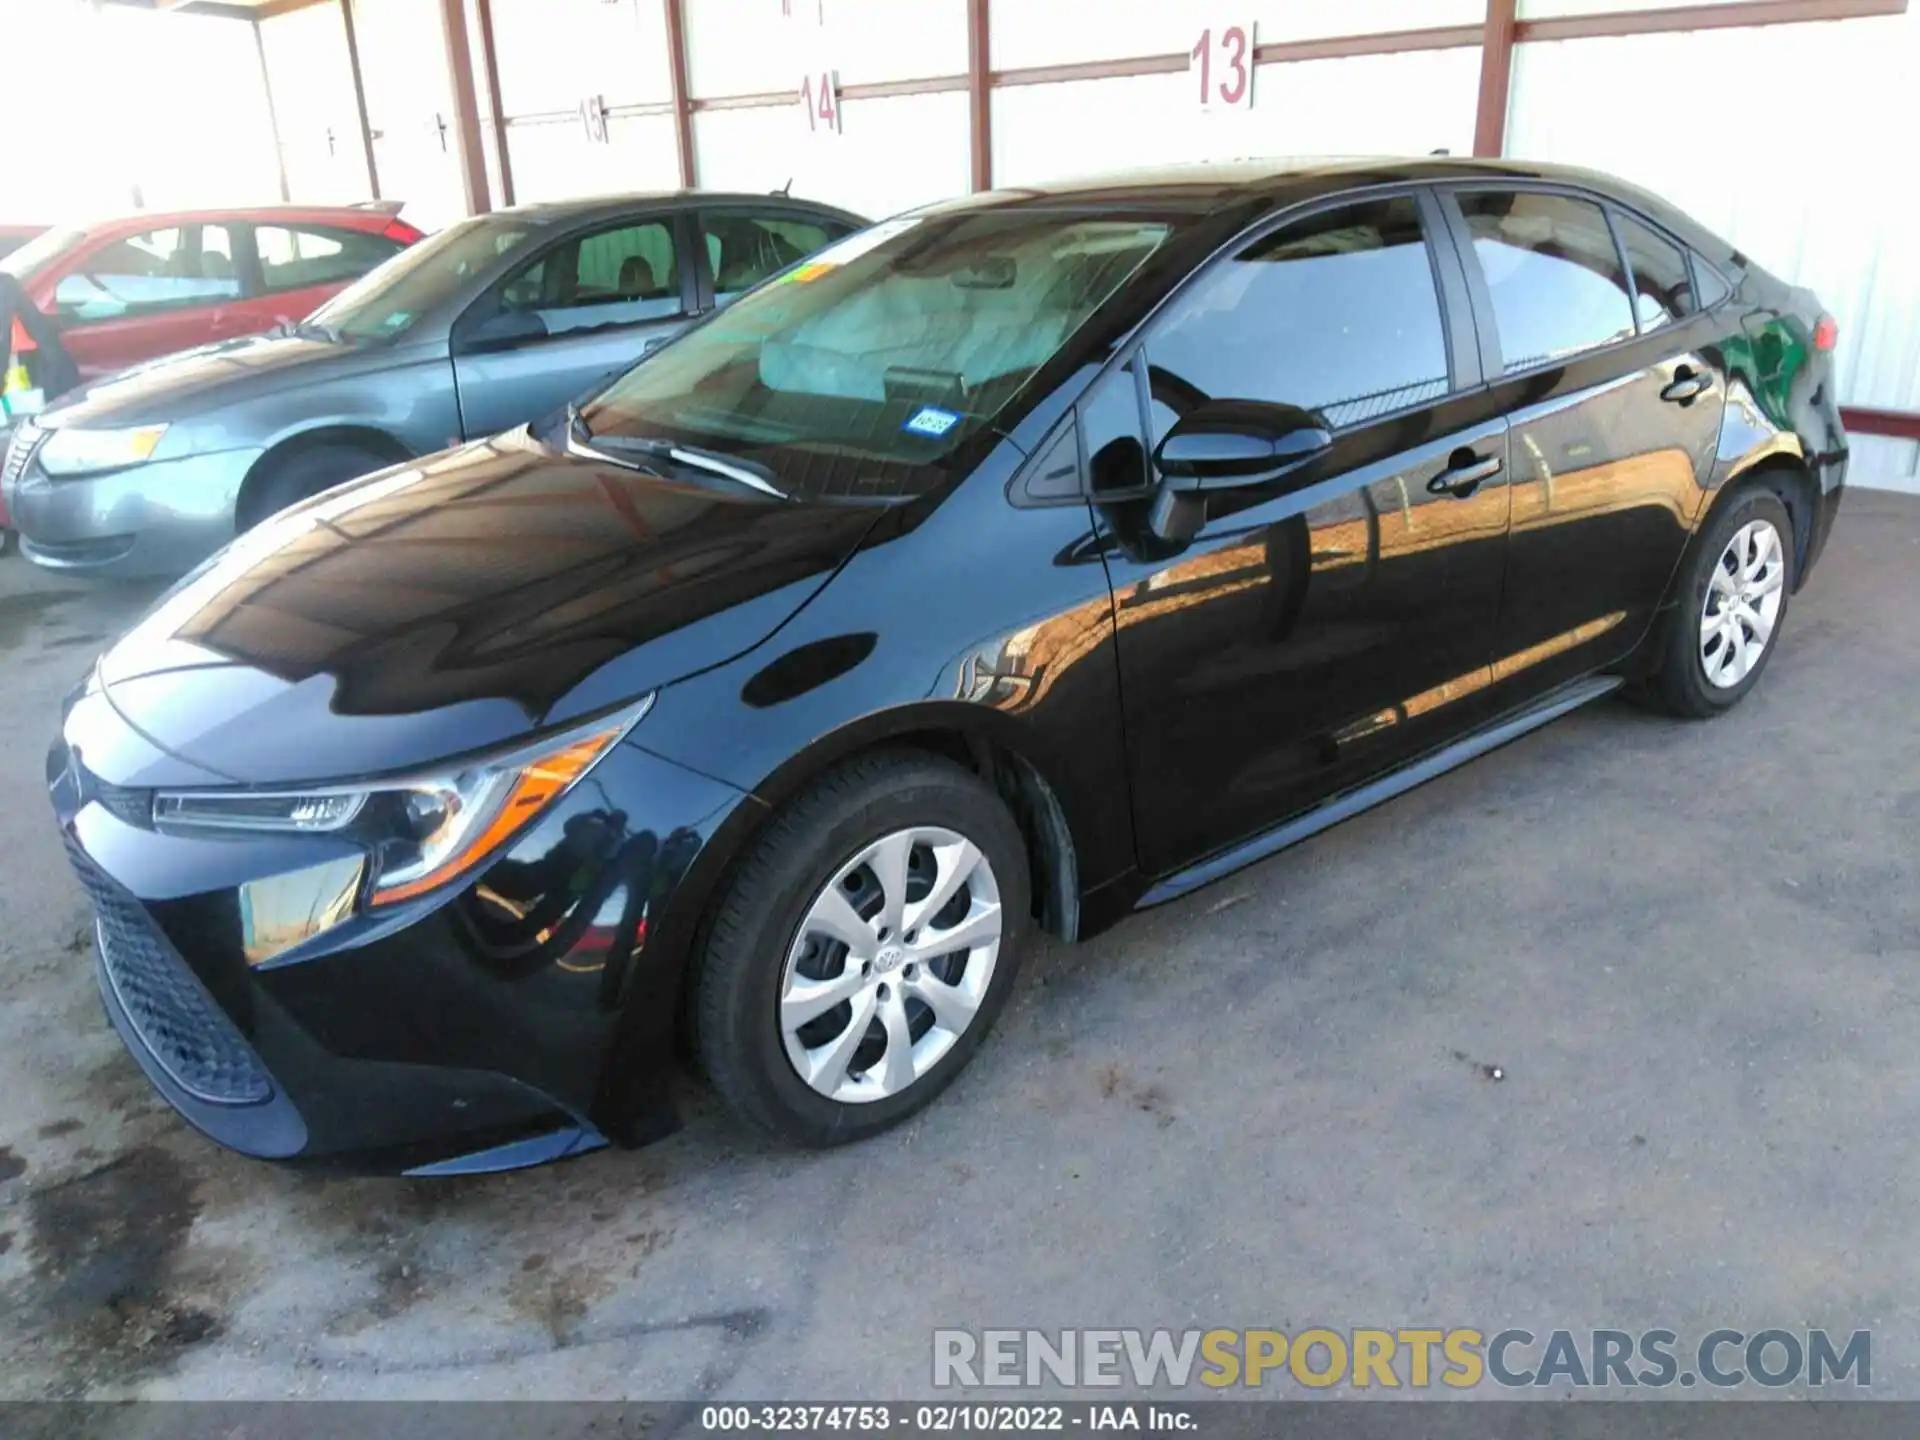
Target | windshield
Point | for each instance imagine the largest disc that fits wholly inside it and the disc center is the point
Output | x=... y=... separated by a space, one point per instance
x=388 y=299
x=858 y=369
x=48 y=245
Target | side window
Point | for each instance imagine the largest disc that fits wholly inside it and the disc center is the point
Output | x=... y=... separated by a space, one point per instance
x=1713 y=285
x=1554 y=274
x=150 y=274
x=620 y=276
x=1662 y=282
x=1337 y=314
x=299 y=259
x=743 y=250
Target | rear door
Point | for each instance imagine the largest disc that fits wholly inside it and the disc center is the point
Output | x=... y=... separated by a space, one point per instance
x=1319 y=630
x=1615 y=413
x=294 y=268
x=585 y=308
x=738 y=246
x=145 y=295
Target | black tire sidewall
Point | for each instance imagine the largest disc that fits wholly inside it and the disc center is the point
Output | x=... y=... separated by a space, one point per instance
x=774 y=899
x=1686 y=668
x=304 y=475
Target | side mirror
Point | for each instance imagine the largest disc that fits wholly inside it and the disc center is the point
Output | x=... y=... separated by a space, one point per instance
x=502 y=330
x=1228 y=445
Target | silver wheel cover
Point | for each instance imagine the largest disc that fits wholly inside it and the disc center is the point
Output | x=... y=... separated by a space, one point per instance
x=891 y=964
x=1742 y=605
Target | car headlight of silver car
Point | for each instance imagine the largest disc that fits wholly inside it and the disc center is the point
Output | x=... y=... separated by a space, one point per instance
x=422 y=831
x=75 y=450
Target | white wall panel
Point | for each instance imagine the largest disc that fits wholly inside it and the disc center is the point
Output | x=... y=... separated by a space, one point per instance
x=893 y=154
x=556 y=161
x=403 y=65
x=1799 y=183
x=747 y=47
x=1026 y=33
x=1319 y=107
x=554 y=53
x=312 y=81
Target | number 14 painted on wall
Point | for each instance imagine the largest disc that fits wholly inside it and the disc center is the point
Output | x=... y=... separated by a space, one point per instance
x=1223 y=56
x=820 y=98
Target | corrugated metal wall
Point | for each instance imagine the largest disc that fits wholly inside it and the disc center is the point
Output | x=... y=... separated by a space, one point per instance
x=1781 y=137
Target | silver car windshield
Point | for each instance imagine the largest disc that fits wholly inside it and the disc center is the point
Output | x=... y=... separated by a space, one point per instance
x=390 y=298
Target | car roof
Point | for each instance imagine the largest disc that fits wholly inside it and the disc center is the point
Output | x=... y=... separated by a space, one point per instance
x=1211 y=187
x=367 y=217
x=559 y=212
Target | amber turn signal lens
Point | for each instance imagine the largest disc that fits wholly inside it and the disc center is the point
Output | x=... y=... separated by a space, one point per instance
x=534 y=786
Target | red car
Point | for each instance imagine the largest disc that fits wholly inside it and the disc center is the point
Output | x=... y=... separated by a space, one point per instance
x=147 y=285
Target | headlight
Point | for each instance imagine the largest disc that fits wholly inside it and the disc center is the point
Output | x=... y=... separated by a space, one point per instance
x=72 y=451
x=423 y=830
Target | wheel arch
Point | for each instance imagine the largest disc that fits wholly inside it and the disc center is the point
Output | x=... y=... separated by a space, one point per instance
x=1788 y=475
x=977 y=739
x=364 y=437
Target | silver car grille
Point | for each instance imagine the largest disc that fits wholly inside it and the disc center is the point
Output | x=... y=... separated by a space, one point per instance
x=26 y=439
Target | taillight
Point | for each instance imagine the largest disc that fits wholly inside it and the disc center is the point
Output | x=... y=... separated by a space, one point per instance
x=401 y=231
x=1826 y=334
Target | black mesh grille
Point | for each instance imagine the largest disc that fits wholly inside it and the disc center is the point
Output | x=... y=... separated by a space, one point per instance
x=169 y=1010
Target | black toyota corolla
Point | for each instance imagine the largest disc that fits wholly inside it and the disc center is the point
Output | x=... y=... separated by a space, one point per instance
x=1018 y=563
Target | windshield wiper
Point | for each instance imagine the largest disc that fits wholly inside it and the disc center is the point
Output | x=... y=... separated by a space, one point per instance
x=613 y=446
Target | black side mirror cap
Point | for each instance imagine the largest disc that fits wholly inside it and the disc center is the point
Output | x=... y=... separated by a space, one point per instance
x=502 y=330
x=1228 y=445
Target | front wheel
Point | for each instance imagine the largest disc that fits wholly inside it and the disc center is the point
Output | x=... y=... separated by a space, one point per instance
x=863 y=950
x=1732 y=605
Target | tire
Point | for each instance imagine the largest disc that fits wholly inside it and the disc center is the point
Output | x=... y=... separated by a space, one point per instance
x=301 y=476
x=774 y=935
x=1701 y=676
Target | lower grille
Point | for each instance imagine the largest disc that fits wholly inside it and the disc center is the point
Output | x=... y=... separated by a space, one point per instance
x=179 y=1023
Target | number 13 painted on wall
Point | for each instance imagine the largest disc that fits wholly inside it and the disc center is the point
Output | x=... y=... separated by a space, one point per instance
x=1223 y=57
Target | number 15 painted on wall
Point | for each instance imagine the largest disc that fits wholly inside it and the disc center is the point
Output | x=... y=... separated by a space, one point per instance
x=1223 y=57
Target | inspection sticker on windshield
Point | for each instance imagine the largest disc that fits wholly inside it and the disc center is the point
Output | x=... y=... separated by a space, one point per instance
x=851 y=248
x=931 y=420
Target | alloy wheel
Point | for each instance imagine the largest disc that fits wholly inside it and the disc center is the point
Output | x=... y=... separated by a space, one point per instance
x=1742 y=604
x=891 y=964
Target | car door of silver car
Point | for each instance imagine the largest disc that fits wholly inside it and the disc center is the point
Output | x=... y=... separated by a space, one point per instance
x=585 y=308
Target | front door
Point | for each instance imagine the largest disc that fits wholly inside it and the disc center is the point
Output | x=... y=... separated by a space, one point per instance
x=1615 y=410
x=1320 y=629
x=146 y=295
x=580 y=312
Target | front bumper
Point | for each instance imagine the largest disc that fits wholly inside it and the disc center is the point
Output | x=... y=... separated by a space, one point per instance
x=462 y=1032
x=161 y=518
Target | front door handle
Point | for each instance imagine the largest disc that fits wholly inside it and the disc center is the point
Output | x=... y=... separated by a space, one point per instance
x=1688 y=386
x=1463 y=476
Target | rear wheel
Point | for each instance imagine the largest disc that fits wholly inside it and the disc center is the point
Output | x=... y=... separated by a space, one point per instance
x=863 y=950
x=301 y=476
x=1732 y=604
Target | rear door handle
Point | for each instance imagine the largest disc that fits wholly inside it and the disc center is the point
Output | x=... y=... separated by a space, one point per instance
x=1463 y=477
x=1688 y=386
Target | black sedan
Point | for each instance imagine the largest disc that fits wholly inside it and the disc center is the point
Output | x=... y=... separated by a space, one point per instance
x=1021 y=562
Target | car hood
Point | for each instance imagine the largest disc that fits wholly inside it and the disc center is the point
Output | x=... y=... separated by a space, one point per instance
x=450 y=605
x=184 y=384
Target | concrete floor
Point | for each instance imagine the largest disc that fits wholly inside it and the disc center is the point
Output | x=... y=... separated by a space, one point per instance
x=1687 y=946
